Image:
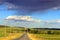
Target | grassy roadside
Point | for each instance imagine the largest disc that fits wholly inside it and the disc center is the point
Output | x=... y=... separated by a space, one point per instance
x=10 y=33
x=33 y=37
x=11 y=36
x=44 y=37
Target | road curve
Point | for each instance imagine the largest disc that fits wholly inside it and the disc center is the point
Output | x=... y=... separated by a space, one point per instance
x=23 y=37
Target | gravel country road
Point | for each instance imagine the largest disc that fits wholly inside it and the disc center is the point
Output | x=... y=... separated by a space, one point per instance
x=23 y=37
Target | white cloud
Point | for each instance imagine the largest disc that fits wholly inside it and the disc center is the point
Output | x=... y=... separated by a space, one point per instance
x=53 y=21
x=56 y=8
x=26 y=18
x=58 y=21
x=11 y=6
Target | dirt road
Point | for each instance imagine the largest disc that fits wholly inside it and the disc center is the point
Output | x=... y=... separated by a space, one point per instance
x=23 y=37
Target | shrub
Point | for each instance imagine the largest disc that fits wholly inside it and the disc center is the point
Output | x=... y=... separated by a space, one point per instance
x=49 y=32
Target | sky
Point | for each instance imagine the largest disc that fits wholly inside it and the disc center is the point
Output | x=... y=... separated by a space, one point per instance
x=38 y=13
x=47 y=15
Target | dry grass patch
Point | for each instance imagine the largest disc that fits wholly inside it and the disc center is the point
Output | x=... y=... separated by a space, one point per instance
x=11 y=36
x=34 y=37
x=44 y=37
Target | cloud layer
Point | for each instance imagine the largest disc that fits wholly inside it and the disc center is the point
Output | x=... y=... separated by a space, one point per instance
x=31 y=5
x=28 y=21
x=31 y=19
x=35 y=4
x=23 y=18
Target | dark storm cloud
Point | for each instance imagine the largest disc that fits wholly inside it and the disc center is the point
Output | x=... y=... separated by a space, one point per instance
x=2 y=1
x=32 y=5
x=35 y=4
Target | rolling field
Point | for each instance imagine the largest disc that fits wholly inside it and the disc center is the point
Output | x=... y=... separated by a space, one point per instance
x=44 y=34
x=44 y=37
x=10 y=33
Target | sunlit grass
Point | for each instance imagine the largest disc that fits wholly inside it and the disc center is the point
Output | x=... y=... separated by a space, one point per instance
x=44 y=37
x=10 y=33
x=11 y=36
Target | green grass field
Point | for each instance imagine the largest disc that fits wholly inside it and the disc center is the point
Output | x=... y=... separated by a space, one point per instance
x=36 y=34
x=47 y=36
x=44 y=34
x=10 y=33
x=5 y=31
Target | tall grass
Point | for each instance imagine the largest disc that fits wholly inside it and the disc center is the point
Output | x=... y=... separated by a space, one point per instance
x=5 y=31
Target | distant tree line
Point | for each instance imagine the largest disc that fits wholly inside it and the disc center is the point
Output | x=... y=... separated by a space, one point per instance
x=42 y=31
